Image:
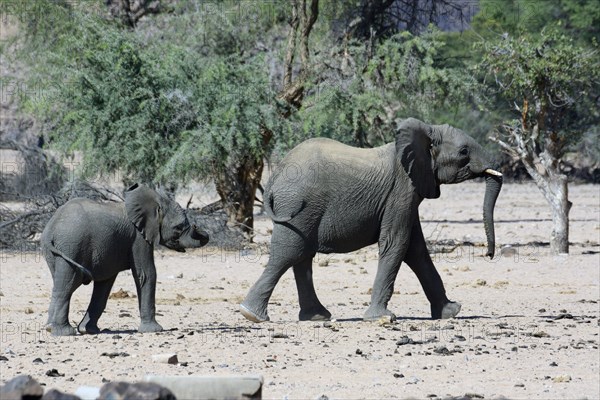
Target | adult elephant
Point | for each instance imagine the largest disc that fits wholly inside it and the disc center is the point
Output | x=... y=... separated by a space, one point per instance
x=87 y=241
x=331 y=198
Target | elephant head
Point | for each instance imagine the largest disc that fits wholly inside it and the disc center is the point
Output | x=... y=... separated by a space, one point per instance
x=161 y=220
x=435 y=154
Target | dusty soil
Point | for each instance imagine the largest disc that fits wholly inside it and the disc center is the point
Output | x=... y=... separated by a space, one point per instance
x=528 y=328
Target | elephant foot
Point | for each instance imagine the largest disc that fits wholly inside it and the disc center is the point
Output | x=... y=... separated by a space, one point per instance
x=61 y=330
x=375 y=313
x=315 y=314
x=448 y=310
x=152 y=326
x=87 y=327
x=252 y=316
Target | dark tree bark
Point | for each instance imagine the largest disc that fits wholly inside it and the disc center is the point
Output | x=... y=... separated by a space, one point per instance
x=237 y=188
x=130 y=11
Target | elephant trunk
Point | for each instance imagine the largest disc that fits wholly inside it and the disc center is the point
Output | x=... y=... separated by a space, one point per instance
x=192 y=238
x=493 y=184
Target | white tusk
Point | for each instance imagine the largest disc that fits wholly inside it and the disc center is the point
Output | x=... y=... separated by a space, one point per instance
x=492 y=172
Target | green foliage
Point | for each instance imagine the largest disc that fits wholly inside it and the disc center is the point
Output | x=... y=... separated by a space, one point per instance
x=404 y=77
x=235 y=108
x=121 y=106
x=152 y=109
x=548 y=80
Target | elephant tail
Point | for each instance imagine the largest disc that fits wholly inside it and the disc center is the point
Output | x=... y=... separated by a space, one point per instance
x=268 y=203
x=87 y=276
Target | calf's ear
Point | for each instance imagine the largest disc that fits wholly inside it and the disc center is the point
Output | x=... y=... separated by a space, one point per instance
x=413 y=146
x=143 y=210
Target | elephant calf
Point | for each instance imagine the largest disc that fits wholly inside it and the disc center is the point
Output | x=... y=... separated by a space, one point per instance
x=87 y=241
x=331 y=198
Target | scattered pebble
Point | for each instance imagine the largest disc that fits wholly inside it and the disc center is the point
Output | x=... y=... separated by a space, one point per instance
x=561 y=379
x=54 y=373
x=119 y=294
x=167 y=358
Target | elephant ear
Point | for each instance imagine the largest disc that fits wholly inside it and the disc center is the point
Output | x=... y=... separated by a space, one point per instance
x=413 y=145
x=143 y=210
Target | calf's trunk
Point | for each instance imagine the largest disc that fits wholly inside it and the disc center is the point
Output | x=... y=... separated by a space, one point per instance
x=493 y=184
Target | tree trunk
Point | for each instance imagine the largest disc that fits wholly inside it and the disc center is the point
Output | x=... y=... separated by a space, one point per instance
x=237 y=189
x=237 y=186
x=554 y=188
x=558 y=198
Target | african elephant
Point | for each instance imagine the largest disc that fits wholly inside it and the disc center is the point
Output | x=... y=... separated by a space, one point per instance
x=332 y=198
x=88 y=241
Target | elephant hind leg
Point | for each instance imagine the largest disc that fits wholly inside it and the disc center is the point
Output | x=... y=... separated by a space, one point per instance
x=66 y=281
x=311 y=308
x=288 y=248
x=254 y=306
x=89 y=323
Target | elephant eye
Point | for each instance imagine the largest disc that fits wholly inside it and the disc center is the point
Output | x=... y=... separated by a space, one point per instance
x=464 y=151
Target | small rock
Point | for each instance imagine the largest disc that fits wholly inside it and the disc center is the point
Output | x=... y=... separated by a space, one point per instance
x=540 y=334
x=358 y=352
x=3 y=358
x=114 y=354
x=479 y=282
x=53 y=373
x=323 y=263
x=38 y=361
x=29 y=310
x=441 y=350
x=140 y=390
x=561 y=379
x=397 y=375
x=21 y=387
x=119 y=294
x=54 y=394
x=404 y=340
x=553 y=364
x=473 y=396
x=519 y=385
x=167 y=358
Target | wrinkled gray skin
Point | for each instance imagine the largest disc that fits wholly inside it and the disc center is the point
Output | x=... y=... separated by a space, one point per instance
x=88 y=241
x=331 y=198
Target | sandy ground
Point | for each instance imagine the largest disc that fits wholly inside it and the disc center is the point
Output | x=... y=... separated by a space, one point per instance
x=528 y=328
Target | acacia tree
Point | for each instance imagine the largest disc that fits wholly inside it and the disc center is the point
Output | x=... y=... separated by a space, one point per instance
x=551 y=85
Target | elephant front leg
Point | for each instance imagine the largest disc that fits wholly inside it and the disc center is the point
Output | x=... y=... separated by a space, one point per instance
x=89 y=324
x=419 y=260
x=65 y=282
x=387 y=270
x=144 y=274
